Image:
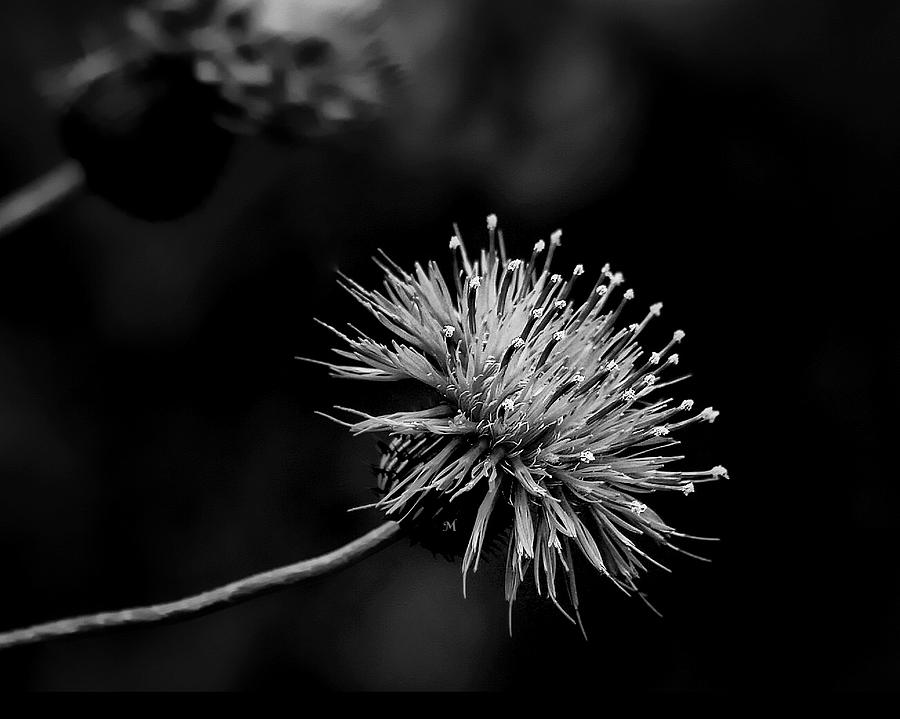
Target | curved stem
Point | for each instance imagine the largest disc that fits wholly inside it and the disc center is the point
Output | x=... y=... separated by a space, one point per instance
x=40 y=196
x=214 y=599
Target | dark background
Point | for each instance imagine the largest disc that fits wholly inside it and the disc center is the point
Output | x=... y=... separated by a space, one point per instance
x=737 y=160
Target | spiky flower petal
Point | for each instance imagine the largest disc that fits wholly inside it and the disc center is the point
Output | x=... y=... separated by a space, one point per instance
x=547 y=415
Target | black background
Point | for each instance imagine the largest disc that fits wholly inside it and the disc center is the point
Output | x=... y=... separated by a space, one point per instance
x=737 y=161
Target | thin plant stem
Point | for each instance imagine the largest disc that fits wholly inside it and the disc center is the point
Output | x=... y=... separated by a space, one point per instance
x=214 y=599
x=40 y=196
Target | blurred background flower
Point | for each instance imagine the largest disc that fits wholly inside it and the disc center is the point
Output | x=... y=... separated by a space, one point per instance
x=737 y=159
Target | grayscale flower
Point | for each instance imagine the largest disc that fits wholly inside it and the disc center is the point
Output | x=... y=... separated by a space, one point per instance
x=548 y=421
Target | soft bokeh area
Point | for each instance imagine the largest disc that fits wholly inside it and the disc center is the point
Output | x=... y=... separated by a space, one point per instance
x=737 y=160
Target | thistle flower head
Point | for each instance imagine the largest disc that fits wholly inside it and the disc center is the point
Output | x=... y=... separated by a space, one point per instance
x=548 y=420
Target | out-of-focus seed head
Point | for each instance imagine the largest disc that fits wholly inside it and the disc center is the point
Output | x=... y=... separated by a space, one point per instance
x=152 y=117
x=292 y=70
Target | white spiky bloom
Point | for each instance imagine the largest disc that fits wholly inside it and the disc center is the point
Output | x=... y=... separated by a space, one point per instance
x=553 y=454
